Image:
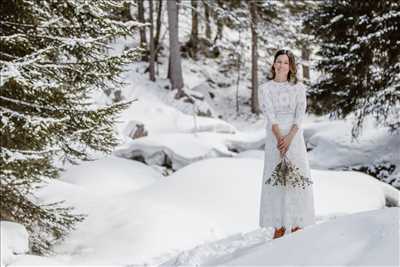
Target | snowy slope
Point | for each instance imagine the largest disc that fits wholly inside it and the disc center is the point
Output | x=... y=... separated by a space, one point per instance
x=361 y=239
x=368 y=238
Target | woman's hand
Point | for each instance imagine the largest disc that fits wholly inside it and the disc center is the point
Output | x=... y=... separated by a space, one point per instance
x=284 y=144
x=280 y=143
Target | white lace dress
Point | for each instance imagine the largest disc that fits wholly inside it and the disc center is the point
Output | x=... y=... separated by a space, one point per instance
x=285 y=104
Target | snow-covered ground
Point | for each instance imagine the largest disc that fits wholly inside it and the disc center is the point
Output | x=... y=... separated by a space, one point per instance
x=191 y=197
x=208 y=205
x=361 y=239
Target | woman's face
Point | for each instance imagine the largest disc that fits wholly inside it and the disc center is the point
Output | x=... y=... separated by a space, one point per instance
x=281 y=65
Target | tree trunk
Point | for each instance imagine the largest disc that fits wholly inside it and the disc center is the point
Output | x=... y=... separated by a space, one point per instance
x=175 y=68
x=207 y=19
x=158 y=29
x=152 y=74
x=238 y=63
x=220 y=23
x=254 y=58
x=194 y=37
x=142 y=30
x=305 y=56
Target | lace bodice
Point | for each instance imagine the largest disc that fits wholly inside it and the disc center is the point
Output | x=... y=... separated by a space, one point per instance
x=283 y=102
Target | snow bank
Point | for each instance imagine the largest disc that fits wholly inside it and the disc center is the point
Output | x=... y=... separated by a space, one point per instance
x=33 y=260
x=111 y=175
x=158 y=117
x=179 y=149
x=162 y=219
x=333 y=148
x=345 y=192
x=175 y=150
x=13 y=240
x=366 y=238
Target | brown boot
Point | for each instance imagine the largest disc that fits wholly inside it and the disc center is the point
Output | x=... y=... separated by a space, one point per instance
x=296 y=229
x=279 y=232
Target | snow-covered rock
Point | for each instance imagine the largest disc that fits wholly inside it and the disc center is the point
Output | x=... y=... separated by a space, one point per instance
x=174 y=150
x=111 y=175
x=180 y=149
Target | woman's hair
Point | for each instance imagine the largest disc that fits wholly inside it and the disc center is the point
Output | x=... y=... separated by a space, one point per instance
x=292 y=75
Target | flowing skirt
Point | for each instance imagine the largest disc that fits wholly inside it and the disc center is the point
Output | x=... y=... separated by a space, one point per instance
x=284 y=205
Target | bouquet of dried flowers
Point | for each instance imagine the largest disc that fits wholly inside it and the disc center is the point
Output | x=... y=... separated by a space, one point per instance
x=286 y=173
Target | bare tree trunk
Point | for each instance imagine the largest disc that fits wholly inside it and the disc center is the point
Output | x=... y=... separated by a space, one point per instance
x=194 y=37
x=142 y=30
x=305 y=56
x=238 y=64
x=175 y=67
x=152 y=74
x=158 y=29
x=207 y=17
x=220 y=23
x=254 y=58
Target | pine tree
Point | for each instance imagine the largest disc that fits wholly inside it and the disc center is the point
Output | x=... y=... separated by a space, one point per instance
x=53 y=56
x=360 y=54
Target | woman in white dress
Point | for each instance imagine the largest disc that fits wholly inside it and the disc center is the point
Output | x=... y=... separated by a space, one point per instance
x=283 y=102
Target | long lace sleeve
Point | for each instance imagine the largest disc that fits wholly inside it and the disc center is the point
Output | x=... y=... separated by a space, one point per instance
x=266 y=106
x=301 y=105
